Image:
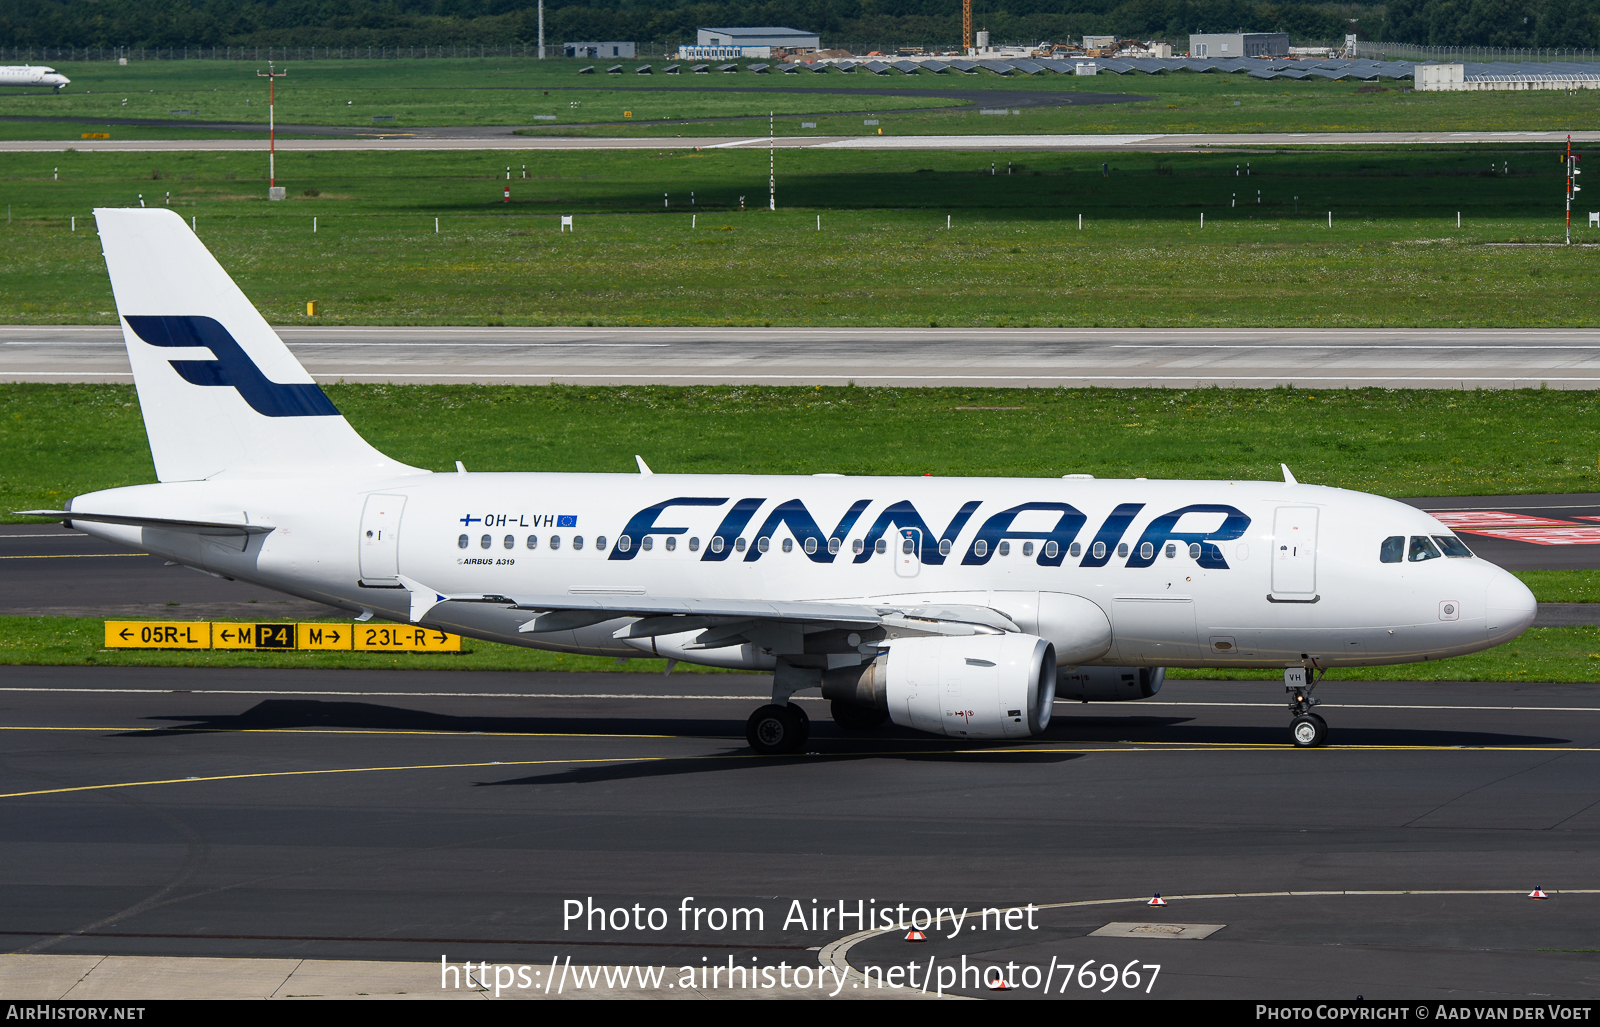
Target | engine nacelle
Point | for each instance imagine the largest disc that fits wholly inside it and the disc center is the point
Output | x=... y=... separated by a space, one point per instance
x=1109 y=684
x=965 y=686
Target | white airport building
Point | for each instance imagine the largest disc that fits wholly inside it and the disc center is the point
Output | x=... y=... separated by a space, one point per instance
x=1239 y=44
x=758 y=41
x=611 y=49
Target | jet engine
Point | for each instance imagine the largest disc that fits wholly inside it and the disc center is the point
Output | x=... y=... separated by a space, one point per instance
x=1109 y=684
x=962 y=686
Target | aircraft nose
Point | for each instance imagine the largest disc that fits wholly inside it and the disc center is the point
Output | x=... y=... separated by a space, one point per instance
x=1511 y=607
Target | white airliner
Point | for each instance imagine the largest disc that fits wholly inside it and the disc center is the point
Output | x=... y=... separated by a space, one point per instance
x=33 y=75
x=965 y=607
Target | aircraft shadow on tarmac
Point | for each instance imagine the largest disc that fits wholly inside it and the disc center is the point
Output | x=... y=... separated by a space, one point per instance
x=1167 y=730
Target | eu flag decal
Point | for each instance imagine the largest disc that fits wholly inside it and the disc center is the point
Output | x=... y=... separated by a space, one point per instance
x=567 y=520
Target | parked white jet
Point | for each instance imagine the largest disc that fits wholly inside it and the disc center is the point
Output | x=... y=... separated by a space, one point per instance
x=960 y=606
x=33 y=75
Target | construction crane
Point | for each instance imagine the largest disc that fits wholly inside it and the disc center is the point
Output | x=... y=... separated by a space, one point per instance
x=966 y=25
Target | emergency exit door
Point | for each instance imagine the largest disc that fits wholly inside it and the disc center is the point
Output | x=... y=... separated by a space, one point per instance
x=1294 y=551
x=380 y=537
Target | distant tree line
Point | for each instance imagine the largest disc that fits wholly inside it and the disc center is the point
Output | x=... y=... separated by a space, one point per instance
x=360 y=23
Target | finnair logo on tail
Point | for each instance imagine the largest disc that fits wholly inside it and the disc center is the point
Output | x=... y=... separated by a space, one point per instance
x=232 y=366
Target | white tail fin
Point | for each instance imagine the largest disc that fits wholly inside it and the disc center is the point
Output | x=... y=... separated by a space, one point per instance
x=220 y=392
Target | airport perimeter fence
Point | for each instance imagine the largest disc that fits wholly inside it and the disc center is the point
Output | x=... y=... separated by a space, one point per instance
x=42 y=54
x=1475 y=54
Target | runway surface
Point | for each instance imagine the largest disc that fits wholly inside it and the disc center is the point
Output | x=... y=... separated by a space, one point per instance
x=409 y=815
x=49 y=570
x=1013 y=142
x=1000 y=357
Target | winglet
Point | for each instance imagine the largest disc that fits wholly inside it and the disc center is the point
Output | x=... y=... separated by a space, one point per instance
x=423 y=598
x=644 y=468
x=1288 y=476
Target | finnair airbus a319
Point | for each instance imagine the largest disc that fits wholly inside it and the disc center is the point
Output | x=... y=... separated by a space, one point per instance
x=965 y=607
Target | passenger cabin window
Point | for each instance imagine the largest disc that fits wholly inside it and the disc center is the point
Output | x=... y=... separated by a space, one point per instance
x=1172 y=551
x=1422 y=548
x=1194 y=550
x=788 y=545
x=880 y=546
x=694 y=545
x=738 y=545
x=510 y=542
x=647 y=543
x=533 y=541
x=1146 y=551
x=1393 y=549
x=906 y=545
x=1050 y=550
x=600 y=543
x=981 y=548
x=811 y=546
x=944 y=547
x=1122 y=549
x=1004 y=548
x=833 y=547
x=716 y=543
x=672 y=543
x=1027 y=549
x=1452 y=546
x=1099 y=550
x=763 y=543
x=577 y=542
x=555 y=542
x=1075 y=550
x=461 y=543
x=856 y=547
x=485 y=542
x=624 y=543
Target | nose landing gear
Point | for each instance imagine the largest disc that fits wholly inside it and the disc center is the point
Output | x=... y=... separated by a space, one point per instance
x=1307 y=729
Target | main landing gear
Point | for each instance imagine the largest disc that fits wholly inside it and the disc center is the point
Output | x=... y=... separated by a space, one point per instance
x=1308 y=730
x=775 y=730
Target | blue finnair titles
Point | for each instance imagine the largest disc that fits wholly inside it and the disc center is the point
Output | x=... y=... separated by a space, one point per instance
x=1055 y=544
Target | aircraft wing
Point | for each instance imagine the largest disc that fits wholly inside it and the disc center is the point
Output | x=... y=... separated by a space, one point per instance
x=722 y=622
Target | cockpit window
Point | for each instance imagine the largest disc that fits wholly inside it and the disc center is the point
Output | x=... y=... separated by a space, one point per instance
x=1393 y=550
x=1452 y=546
x=1422 y=548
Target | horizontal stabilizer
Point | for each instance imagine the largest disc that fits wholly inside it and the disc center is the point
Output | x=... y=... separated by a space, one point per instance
x=198 y=527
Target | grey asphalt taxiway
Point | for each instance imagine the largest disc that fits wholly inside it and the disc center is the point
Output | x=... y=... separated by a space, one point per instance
x=412 y=815
x=1000 y=357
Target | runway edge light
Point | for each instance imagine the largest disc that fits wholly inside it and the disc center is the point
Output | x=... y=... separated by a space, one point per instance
x=1157 y=901
x=1537 y=893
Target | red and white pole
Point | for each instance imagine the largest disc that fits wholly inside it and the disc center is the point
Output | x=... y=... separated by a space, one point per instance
x=272 y=127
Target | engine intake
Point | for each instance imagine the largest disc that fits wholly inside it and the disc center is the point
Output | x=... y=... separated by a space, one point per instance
x=968 y=686
x=1109 y=684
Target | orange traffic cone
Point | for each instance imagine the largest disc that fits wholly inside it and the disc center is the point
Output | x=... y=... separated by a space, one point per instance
x=1537 y=894
x=915 y=935
x=1157 y=901
x=999 y=984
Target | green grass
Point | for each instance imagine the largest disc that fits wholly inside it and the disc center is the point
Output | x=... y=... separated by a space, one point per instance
x=1543 y=654
x=1014 y=257
x=503 y=91
x=1540 y=654
x=65 y=440
x=1582 y=586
